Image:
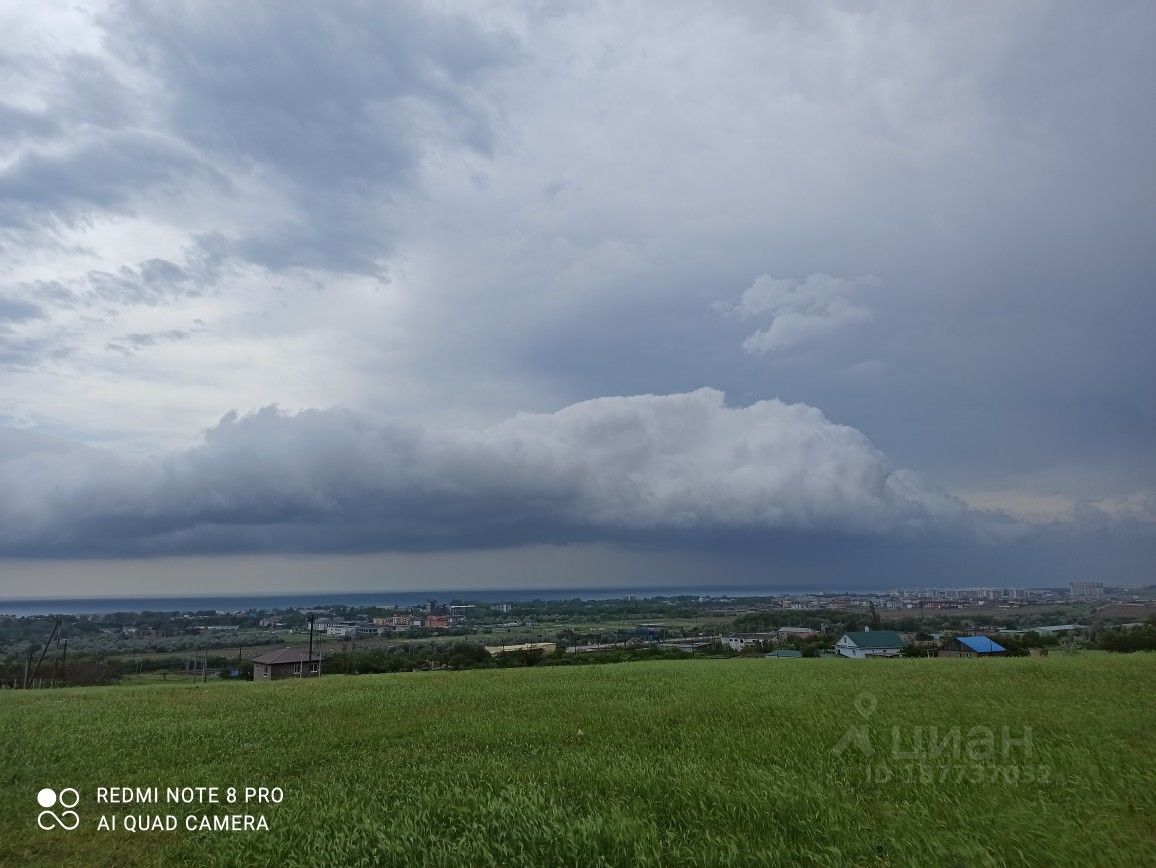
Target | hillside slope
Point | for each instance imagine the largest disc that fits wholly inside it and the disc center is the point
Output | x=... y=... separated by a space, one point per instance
x=743 y=762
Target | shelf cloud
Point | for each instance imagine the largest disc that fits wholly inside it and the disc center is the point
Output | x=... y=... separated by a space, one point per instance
x=612 y=469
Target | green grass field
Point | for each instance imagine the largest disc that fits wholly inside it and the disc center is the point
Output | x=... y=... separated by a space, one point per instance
x=714 y=762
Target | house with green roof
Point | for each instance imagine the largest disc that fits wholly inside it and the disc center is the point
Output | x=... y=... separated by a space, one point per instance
x=870 y=643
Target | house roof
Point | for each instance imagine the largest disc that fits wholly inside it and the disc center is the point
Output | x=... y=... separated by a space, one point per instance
x=785 y=652
x=876 y=639
x=286 y=655
x=981 y=644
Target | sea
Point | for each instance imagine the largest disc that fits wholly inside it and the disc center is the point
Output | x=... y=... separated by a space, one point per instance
x=386 y=598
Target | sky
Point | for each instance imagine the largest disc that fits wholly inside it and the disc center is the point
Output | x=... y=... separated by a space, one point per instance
x=301 y=296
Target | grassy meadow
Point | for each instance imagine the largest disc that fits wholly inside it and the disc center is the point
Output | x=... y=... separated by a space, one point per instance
x=711 y=762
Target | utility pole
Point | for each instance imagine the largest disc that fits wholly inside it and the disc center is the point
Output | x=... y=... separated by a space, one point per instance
x=64 y=662
x=47 y=645
x=312 y=618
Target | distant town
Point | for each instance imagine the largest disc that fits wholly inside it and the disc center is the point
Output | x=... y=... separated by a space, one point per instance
x=39 y=651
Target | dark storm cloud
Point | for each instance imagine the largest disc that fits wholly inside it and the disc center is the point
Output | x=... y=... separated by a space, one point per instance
x=99 y=296
x=331 y=107
x=614 y=469
x=17 y=309
x=17 y=350
x=102 y=173
x=19 y=125
x=151 y=340
x=128 y=344
x=152 y=283
x=334 y=105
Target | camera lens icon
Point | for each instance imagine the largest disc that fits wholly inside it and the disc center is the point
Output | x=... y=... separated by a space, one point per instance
x=67 y=798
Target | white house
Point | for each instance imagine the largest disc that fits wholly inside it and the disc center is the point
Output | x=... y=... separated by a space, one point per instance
x=742 y=640
x=870 y=643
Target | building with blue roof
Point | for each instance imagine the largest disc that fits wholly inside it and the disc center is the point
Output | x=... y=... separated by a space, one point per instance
x=973 y=646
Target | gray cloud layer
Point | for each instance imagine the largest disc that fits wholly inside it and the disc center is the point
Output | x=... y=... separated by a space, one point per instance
x=937 y=223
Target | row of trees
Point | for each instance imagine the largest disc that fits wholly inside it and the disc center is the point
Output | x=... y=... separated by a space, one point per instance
x=470 y=655
x=79 y=671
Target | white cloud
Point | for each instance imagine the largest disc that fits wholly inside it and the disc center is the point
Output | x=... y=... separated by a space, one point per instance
x=801 y=310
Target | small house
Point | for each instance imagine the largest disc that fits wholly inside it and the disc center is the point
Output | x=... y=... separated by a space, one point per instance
x=741 y=641
x=785 y=652
x=973 y=646
x=544 y=647
x=870 y=643
x=286 y=663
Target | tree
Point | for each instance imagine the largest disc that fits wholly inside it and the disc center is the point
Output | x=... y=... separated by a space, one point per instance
x=1128 y=639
